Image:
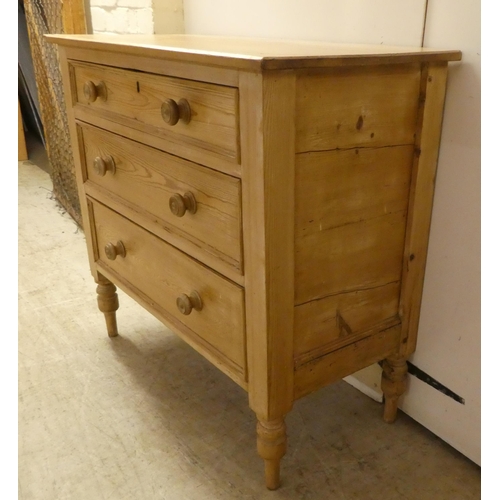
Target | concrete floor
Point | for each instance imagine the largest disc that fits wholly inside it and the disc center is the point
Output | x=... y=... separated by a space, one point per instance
x=144 y=417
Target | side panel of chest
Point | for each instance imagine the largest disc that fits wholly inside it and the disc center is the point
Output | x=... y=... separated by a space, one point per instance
x=355 y=150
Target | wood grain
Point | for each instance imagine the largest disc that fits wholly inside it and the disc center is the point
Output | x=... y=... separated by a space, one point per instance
x=336 y=188
x=338 y=364
x=350 y=217
x=163 y=273
x=225 y=365
x=268 y=159
x=393 y=385
x=361 y=106
x=255 y=54
x=420 y=206
x=159 y=66
x=73 y=16
x=135 y=99
x=180 y=148
x=348 y=258
x=130 y=211
x=107 y=301
x=271 y=446
x=148 y=178
x=268 y=227
x=321 y=325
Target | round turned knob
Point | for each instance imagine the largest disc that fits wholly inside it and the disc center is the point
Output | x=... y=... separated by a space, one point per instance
x=91 y=91
x=179 y=204
x=172 y=111
x=104 y=164
x=112 y=251
x=186 y=303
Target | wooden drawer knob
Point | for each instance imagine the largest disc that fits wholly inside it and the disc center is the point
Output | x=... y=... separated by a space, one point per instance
x=104 y=164
x=112 y=251
x=179 y=204
x=186 y=303
x=91 y=91
x=172 y=111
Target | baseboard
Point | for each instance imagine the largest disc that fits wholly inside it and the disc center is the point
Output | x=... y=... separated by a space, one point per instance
x=372 y=393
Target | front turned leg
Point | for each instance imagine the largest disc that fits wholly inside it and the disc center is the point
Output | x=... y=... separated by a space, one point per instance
x=107 y=300
x=394 y=377
x=271 y=446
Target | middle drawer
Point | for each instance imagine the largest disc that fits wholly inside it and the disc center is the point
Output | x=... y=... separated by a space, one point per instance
x=199 y=204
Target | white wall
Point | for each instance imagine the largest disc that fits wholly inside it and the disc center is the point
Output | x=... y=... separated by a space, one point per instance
x=450 y=328
x=362 y=21
x=449 y=335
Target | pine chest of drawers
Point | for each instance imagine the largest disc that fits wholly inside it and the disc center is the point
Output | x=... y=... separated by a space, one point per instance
x=269 y=201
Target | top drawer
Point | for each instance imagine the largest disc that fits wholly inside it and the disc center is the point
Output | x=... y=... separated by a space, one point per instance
x=183 y=112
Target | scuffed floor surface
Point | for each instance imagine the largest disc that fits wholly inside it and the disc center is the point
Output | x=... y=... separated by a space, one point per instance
x=144 y=417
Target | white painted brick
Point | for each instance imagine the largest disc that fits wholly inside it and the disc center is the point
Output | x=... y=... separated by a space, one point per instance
x=117 y=20
x=145 y=21
x=122 y=16
x=132 y=21
x=102 y=3
x=136 y=4
x=98 y=19
x=140 y=21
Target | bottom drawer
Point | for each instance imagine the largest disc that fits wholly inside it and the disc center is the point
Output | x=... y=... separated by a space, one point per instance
x=195 y=301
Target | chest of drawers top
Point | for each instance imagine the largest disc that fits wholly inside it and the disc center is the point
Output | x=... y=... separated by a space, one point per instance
x=269 y=201
x=253 y=53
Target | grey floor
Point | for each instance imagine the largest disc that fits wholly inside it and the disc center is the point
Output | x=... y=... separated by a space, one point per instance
x=143 y=416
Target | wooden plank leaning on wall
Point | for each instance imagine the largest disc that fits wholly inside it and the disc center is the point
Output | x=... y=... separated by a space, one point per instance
x=73 y=16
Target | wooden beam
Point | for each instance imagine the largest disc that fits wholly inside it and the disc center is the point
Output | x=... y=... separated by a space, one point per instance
x=74 y=20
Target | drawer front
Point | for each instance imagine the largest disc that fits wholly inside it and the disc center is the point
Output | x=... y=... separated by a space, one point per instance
x=145 y=101
x=166 y=275
x=197 y=203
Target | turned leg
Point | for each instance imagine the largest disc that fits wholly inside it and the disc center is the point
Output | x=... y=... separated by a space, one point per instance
x=394 y=376
x=271 y=446
x=107 y=300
